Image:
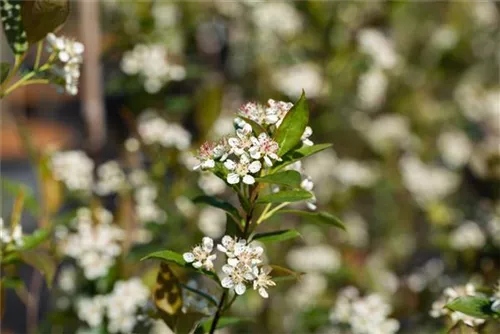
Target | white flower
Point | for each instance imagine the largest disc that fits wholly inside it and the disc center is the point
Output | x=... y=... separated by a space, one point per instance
x=252 y=111
x=372 y=87
x=354 y=173
x=155 y=130
x=209 y=152
x=242 y=142
x=229 y=245
x=276 y=111
x=91 y=310
x=240 y=171
x=305 y=136
x=201 y=256
x=467 y=236
x=69 y=54
x=262 y=280
x=15 y=235
x=455 y=148
x=236 y=277
x=379 y=47
x=212 y=222
x=74 y=168
x=308 y=74
x=111 y=178
x=152 y=64
x=264 y=147
x=67 y=279
x=317 y=258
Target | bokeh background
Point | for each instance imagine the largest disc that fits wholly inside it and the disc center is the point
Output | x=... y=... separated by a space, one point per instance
x=407 y=92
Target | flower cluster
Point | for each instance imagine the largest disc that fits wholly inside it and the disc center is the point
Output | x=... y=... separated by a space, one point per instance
x=243 y=264
x=152 y=64
x=145 y=195
x=364 y=315
x=110 y=178
x=8 y=236
x=245 y=153
x=120 y=306
x=155 y=130
x=69 y=55
x=94 y=244
x=74 y=169
x=449 y=294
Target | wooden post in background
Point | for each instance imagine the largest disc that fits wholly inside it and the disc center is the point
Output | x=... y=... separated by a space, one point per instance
x=91 y=81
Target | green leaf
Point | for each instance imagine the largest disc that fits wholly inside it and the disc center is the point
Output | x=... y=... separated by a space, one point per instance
x=167 y=255
x=12 y=282
x=223 y=322
x=317 y=217
x=215 y=202
x=285 y=196
x=277 y=236
x=284 y=274
x=30 y=201
x=233 y=227
x=10 y=12
x=300 y=153
x=256 y=127
x=41 y=17
x=291 y=129
x=187 y=322
x=33 y=240
x=4 y=71
x=475 y=306
x=209 y=105
x=288 y=178
x=41 y=261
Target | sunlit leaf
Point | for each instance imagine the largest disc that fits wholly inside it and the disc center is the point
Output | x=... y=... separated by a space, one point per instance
x=288 y=178
x=285 y=196
x=291 y=129
x=10 y=12
x=167 y=294
x=475 y=306
x=277 y=236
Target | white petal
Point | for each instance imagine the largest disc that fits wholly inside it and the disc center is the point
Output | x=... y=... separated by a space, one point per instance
x=188 y=257
x=240 y=288
x=208 y=163
x=255 y=166
x=248 y=179
x=227 y=282
x=227 y=240
x=227 y=269
x=263 y=293
x=222 y=248
x=233 y=178
x=197 y=264
x=230 y=164
x=208 y=244
x=233 y=142
x=255 y=141
x=268 y=161
x=233 y=262
x=244 y=159
x=266 y=269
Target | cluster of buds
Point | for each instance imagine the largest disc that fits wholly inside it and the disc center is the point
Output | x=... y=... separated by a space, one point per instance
x=69 y=54
x=243 y=265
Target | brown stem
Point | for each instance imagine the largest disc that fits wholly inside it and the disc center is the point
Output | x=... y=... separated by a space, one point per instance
x=213 y=327
x=33 y=304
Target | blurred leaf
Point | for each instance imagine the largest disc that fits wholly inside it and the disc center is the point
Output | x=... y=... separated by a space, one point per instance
x=209 y=105
x=187 y=322
x=291 y=129
x=215 y=202
x=10 y=11
x=2 y=299
x=52 y=190
x=167 y=294
x=317 y=217
x=232 y=227
x=205 y=295
x=256 y=127
x=288 y=178
x=475 y=306
x=284 y=274
x=30 y=202
x=17 y=210
x=36 y=238
x=41 y=261
x=277 y=236
x=224 y=322
x=12 y=282
x=4 y=71
x=41 y=17
x=461 y=328
x=300 y=153
x=285 y=196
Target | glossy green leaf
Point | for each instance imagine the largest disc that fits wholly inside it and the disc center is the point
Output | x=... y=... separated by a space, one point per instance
x=317 y=217
x=285 y=196
x=167 y=255
x=10 y=11
x=41 y=261
x=277 y=236
x=223 y=322
x=256 y=127
x=41 y=17
x=4 y=71
x=475 y=306
x=288 y=178
x=300 y=153
x=215 y=202
x=291 y=129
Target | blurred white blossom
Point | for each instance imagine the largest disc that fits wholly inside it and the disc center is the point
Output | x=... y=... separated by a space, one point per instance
x=372 y=87
x=74 y=168
x=455 y=148
x=318 y=258
x=212 y=222
x=155 y=130
x=379 y=47
x=309 y=76
x=467 y=236
x=110 y=178
x=11 y=235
